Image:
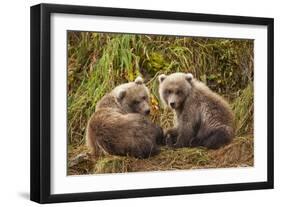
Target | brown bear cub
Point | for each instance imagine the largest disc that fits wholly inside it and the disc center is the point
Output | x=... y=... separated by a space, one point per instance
x=119 y=125
x=203 y=117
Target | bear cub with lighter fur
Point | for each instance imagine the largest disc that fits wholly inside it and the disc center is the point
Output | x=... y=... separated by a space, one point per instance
x=203 y=117
x=120 y=125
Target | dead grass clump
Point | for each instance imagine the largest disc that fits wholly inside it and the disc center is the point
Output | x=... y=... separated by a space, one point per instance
x=169 y=159
x=239 y=153
x=79 y=160
x=112 y=164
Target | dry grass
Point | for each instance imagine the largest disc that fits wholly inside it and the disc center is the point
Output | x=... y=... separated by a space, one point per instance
x=237 y=154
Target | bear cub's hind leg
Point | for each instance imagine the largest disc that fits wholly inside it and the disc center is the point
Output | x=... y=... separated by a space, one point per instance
x=215 y=139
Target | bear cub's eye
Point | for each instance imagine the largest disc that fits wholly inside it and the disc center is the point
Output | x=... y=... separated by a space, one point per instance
x=144 y=98
x=178 y=92
x=168 y=91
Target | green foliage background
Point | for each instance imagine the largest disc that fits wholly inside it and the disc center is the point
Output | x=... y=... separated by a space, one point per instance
x=97 y=62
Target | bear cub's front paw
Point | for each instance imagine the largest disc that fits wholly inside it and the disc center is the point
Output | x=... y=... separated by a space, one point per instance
x=171 y=137
x=169 y=140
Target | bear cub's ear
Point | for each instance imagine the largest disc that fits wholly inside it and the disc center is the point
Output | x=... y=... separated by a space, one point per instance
x=189 y=77
x=139 y=80
x=121 y=94
x=161 y=78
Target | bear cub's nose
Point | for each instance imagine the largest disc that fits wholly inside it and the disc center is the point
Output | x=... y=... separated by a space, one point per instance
x=147 y=112
x=172 y=104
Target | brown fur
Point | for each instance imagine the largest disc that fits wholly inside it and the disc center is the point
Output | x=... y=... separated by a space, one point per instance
x=203 y=117
x=119 y=126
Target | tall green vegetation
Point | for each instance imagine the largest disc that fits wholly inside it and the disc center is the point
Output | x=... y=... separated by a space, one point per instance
x=97 y=62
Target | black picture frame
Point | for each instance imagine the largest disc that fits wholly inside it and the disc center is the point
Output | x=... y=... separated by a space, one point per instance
x=41 y=96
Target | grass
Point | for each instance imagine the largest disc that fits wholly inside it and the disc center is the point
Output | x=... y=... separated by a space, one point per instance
x=97 y=62
x=238 y=154
x=243 y=108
